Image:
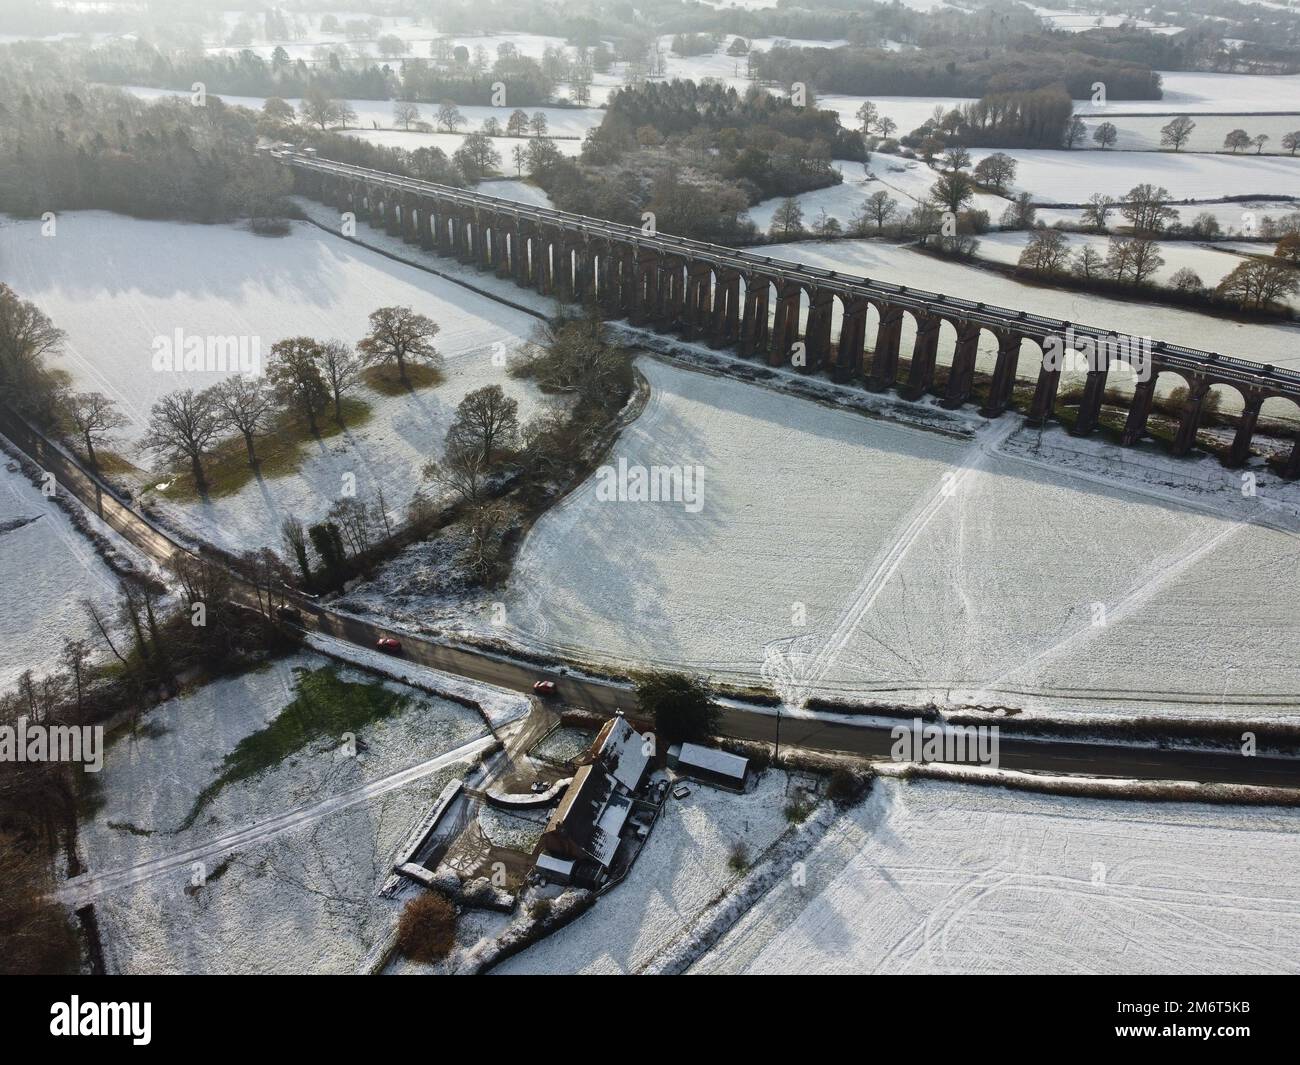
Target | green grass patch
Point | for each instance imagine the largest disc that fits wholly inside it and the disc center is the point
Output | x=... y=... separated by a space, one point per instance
x=324 y=705
x=385 y=380
x=280 y=452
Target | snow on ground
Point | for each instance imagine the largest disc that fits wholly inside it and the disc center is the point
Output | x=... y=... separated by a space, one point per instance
x=927 y=568
x=376 y=116
x=908 y=182
x=1081 y=22
x=449 y=144
x=1071 y=177
x=46 y=569
x=301 y=899
x=1211 y=262
x=929 y=877
x=1233 y=218
x=1276 y=344
x=1189 y=92
x=519 y=191
x=115 y=283
x=1142 y=133
x=681 y=870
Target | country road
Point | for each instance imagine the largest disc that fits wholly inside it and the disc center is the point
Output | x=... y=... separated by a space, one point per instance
x=869 y=739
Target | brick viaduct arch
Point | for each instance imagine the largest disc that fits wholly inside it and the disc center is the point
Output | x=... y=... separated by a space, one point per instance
x=765 y=308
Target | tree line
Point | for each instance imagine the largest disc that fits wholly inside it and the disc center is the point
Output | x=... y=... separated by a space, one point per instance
x=973 y=72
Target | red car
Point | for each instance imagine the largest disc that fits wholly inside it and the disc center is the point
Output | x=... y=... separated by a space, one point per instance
x=388 y=645
x=544 y=687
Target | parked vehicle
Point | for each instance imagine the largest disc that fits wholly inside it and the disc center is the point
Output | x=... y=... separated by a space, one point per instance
x=388 y=645
x=544 y=688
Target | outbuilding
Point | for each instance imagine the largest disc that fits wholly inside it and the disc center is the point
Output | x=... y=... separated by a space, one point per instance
x=709 y=765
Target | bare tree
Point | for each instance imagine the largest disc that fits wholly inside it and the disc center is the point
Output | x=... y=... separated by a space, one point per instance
x=294 y=537
x=294 y=371
x=1146 y=208
x=341 y=366
x=486 y=420
x=245 y=404
x=880 y=208
x=93 y=417
x=26 y=336
x=462 y=471
x=1258 y=282
x=1176 y=133
x=404 y=113
x=399 y=334
x=181 y=427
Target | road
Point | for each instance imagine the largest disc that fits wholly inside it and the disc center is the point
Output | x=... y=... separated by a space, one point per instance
x=590 y=693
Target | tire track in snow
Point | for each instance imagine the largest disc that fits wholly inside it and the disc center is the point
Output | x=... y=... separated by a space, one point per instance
x=783 y=670
x=1134 y=598
x=87 y=888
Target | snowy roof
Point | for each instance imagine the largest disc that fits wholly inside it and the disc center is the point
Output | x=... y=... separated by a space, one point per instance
x=551 y=864
x=592 y=813
x=713 y=760
x=621 y=751
x=609 y=826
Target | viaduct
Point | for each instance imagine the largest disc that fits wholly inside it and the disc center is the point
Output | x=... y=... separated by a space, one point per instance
x=764 y=307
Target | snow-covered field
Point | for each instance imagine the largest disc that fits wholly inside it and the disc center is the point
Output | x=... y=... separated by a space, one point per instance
x=1233 y=218
x=1210 y=262
x=927 y=568
x=299 y=896
x=376 y=117
x=1071 y=177
x=929 y=877
x=1190 y=92
x=449 y=143
x=46 y=569
x=114 y=284
x=680 y=872
x=519 y=191
x=1142 y=133
x=907 y=181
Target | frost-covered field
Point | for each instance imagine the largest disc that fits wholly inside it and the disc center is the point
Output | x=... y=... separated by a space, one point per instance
x=294 y=899
x=46 y=569
x=935 y=877
x=114 y=284
x=680 y=872
x=927 y=568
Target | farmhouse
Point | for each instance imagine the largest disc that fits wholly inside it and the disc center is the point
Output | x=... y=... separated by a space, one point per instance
x=583 y=835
